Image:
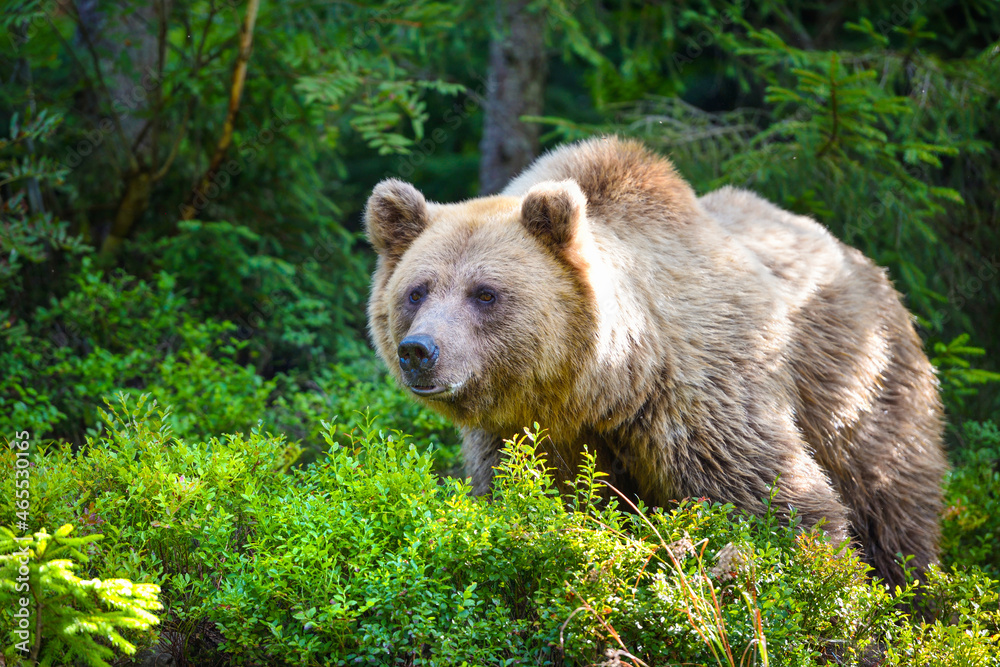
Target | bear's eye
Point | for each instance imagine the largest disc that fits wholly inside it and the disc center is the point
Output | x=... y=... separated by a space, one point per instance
x=486 y=296
x=417 y=295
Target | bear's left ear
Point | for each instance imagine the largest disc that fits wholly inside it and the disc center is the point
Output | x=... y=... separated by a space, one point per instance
x=395 y=216
x=553 y=212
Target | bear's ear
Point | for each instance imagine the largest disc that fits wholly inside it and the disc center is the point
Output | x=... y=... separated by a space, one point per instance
x=395 y=216
x=553 y=212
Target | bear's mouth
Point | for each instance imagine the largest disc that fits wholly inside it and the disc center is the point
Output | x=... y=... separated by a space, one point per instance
x=428 y=389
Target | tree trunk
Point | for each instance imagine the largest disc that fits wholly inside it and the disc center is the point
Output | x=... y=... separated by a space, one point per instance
x=124 y=55
x=516 y=87
x=133 y=203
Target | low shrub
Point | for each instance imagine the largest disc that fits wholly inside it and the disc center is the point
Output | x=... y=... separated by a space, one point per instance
x=366 y=556
x=120 y=334
x=349 y=393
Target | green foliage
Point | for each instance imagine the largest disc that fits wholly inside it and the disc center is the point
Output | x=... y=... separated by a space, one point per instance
x=349 y=392
x=959 y=378
x=117 y=129
x=971 y=525
x=115 y=333
x=29 y=233
x=964 y=634
x=365 y=555
x=846 y=128
x=67 y=618
x=153 y=497
x=380 y=113
x=287 y=305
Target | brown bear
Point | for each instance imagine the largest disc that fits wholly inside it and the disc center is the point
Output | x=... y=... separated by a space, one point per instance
x=702 y=347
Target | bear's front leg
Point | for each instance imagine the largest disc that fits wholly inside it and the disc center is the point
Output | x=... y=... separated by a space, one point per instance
x=481 y=452
x=806 y=487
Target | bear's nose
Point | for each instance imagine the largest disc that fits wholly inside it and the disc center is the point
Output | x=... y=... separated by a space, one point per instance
x=417 y=353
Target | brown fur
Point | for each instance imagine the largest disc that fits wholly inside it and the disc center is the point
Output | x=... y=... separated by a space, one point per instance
x=702 y=347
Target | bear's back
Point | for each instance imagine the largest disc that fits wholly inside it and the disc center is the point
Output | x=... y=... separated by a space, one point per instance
x=799 y=252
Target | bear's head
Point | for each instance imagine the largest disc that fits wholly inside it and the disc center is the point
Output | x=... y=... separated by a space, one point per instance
x=481 y=306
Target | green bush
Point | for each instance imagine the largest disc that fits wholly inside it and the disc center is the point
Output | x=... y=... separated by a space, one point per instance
x=29 y=235
x=298 y=306
x=971 y=523
x=349 y=393
x=116 y=333
x=366 y=556
x=152 y=495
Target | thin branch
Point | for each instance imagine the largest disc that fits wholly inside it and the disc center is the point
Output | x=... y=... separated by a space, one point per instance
x=607 y=627
x=219 y=50
x=142 y=133
x=70 y=50
x=169 y=99
x=833 y=108
x=176 y=144
x=184 y=21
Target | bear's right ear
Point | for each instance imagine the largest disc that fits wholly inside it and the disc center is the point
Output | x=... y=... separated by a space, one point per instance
x=553 y=212
x=395 y=216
